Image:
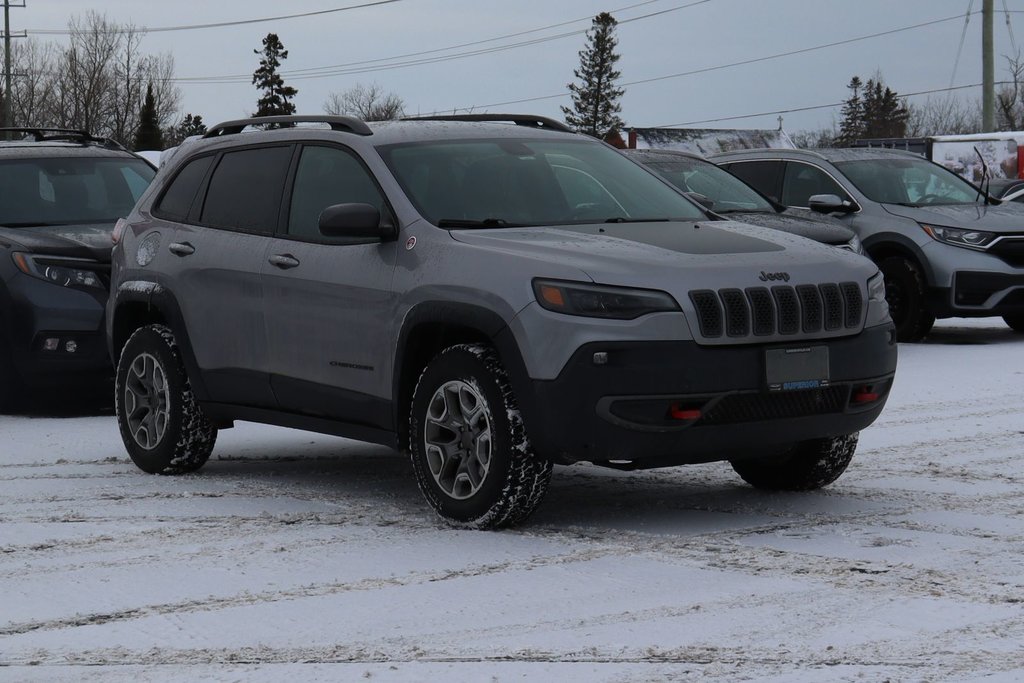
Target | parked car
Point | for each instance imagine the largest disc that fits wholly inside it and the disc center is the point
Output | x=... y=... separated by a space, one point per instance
x=946 y=249
x=60 y=193
x=1007 y=189
x=727 y=195
x=491 y=293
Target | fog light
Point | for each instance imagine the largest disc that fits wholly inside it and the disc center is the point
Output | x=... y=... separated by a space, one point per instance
x=51 y=344
x=71 y=346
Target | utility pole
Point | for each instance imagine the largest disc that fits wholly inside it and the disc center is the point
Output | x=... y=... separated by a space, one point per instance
x=988 y=85
x=8 y=116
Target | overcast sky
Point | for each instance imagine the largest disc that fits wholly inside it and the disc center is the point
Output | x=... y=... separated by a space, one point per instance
x=680 y=38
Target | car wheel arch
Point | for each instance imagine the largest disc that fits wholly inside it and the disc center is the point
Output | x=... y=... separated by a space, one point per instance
x=431 y=327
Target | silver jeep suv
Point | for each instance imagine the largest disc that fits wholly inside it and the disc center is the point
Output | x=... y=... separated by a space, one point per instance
x=493 y=297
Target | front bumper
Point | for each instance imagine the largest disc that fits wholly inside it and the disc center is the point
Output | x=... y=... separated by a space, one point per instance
x=623 y=410
x=33 y=311
x=980 y=294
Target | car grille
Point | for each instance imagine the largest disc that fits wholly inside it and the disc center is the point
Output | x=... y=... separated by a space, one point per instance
x=780 y=310
x=1010 y=250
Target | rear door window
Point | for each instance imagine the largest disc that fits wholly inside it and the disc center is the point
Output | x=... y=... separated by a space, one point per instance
x=765 y=176
x=245 y=189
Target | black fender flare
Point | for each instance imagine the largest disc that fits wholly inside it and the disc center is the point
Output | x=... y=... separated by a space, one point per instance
x=894 y=241
x=484 y=320
x=160 y=300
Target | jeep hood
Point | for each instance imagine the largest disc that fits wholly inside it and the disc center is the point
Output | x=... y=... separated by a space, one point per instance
x=677 y=256
x=74 y=241
x=1002 y=218
x=827 y=231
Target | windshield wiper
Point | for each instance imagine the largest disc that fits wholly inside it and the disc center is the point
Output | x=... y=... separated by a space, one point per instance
x=620 y=219
x=482 y=223
x=982 y=189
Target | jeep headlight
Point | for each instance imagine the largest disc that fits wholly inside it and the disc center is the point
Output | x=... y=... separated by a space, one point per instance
x=971 y=239
x=600 y=301
x=876 y=287
x=59 y=271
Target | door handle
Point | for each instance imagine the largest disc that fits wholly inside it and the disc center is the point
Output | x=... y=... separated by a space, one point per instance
x=182 y=248
x=284 y=261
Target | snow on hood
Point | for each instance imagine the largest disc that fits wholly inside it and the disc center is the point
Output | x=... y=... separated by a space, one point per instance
x=673 y=255
x=76 y=241
x=1002 y=218
x=794 y=223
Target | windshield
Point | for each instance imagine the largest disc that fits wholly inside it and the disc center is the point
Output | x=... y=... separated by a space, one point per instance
x=914 y=182
x=505 y=183
x=727 y=191
x=70 y=190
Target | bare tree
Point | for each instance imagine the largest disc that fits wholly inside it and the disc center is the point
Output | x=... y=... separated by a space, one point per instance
x=1010 y=98
x=947 y=115
x=97 y=83
x=368 y=102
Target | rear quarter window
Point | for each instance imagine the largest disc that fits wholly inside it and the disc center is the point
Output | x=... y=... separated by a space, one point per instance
x=246 y=188
x=181 y=191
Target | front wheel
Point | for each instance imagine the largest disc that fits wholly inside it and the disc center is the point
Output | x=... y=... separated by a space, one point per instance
x=905 y=294
x=12 y=390
x=162 y=425
x=468 y=445
x=806 y=466
x=1016 y=322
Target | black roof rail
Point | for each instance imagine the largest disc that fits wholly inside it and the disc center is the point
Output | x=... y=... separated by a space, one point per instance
x=349 y=124
x=64 y=135
x=528 y=120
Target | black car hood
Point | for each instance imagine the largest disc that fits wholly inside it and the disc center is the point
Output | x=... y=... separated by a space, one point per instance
x=74 y=241
x=1001 y=218
x=803 y=223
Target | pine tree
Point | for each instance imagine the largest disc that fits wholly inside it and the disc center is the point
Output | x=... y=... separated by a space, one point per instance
x=149 y=135
x=187 y=127
x=276 y=95
x=885 y=116
x=595 y=98
x=852 y=126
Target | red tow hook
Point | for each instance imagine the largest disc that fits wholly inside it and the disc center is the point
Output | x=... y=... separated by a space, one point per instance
x=862 y=395
x=677 y=412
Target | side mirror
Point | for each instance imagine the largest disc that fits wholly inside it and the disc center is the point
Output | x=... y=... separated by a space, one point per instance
x=829 y=203
x=705 y=201
x=354 y=220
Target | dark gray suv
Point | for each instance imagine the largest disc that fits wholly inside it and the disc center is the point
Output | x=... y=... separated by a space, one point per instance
x=494 y=298
x=946 y=248
x=61 y=192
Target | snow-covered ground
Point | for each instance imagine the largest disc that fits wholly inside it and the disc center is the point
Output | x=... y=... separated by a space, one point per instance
x=294 y=556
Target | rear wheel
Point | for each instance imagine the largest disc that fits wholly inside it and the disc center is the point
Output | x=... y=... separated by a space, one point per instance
x=905 y=294
x=162 y=425
x=469 y=449
x=806 y=466
x=1016 y=322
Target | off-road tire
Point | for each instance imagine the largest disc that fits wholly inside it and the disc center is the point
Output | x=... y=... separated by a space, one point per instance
x=1016 y=322
x=905 y=293
x=188 y=436
x=516 y=479
x=806 y=466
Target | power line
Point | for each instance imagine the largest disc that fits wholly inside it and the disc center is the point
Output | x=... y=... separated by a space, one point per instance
x=364 y=66
x=221 y=24
x=1009 y=27
x=819 y=106
x=726 y=66
x=963 y=36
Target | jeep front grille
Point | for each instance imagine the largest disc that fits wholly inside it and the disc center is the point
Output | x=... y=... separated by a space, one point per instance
x=737 y=314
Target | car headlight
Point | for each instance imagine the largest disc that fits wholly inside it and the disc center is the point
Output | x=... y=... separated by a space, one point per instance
x=599 y=301
x=876 y=287
x=59 y=271
x=971 y=239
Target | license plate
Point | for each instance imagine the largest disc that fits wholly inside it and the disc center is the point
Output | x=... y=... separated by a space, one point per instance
x=805 y=367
